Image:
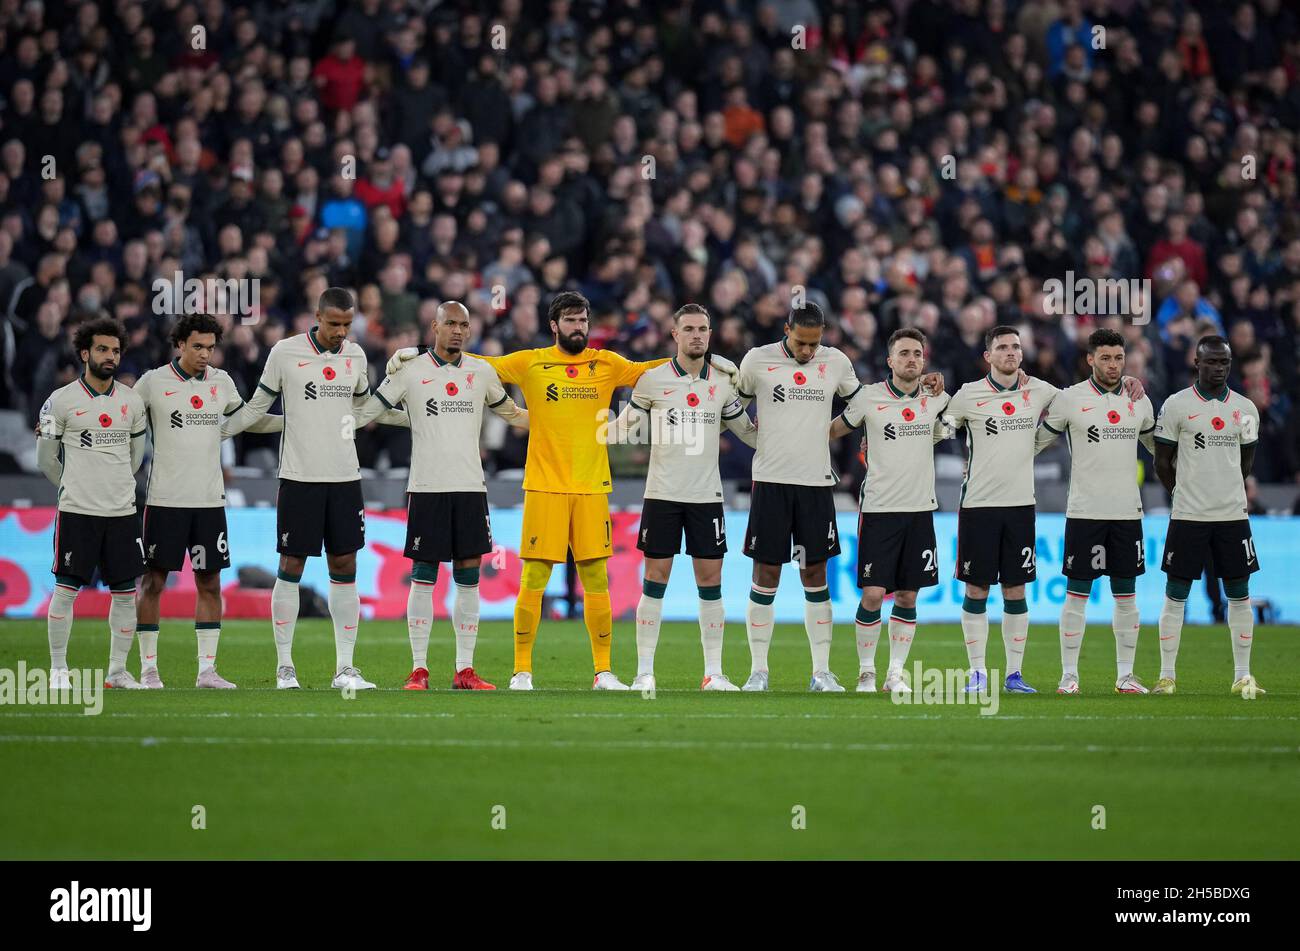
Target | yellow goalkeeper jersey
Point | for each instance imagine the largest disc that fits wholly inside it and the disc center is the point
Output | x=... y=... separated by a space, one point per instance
x=567 y=396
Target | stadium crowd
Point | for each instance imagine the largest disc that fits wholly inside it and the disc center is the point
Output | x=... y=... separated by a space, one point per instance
x=926 y=164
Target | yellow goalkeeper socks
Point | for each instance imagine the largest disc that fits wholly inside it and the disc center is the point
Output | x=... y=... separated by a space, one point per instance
x=528 y=614
x=596 y=610
x=599 y=616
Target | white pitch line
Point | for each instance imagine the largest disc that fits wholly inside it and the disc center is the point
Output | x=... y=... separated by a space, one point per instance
x=525 y=715
x=667 y=745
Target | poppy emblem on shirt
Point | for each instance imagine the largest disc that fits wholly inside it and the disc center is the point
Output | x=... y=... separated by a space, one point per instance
x=1113 y=417
x=105 y=420
x=571 y=371
x=692 y=399
x=452 y=389
x=328 y=373
x=908 y=415
x=799 y=378
x=1217 y=422
x=196 y=401
x=1009 y=408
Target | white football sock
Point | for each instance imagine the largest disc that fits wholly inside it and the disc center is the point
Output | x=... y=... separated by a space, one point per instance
x=1241 y=625
x=866 y=636
x=975 y=632
x=713 y=621
x=58 y=624
x=1126 y=624
x=817 y=623
x=148 y=647
x=1072 y=628
x=419 y=620
x=284 y=618
x=207 y=638
x=1015 y=635
x=345 y=612
x=1171 y=632
x=649 y=613
x=901 y=634
x=121 y=621
x=464 y=621
x=758 y=627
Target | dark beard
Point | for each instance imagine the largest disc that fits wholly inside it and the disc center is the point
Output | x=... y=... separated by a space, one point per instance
x=566 y=344
x=98 y=372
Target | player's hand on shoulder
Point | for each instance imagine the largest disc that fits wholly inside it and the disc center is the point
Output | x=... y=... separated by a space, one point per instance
x=1133 y=387
x=1022 y=378
x=723 y=365
x=933 y=383
x=400 y=357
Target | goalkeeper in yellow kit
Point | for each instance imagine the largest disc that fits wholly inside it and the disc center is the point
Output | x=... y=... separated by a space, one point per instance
x=567 y=388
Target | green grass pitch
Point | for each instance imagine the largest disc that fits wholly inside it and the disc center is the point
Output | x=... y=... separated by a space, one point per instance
x=309 y=774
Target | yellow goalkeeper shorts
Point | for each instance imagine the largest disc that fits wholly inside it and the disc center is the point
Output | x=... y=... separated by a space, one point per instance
x=554 y=522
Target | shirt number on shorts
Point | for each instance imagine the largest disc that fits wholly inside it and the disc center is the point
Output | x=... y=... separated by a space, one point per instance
x=931 y=557
x=719 y=530
x=1249 y=545
x=1028 y=553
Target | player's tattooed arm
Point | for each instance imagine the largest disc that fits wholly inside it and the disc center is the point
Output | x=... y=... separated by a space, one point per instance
x=840 y=428
x=1247 y=459
x=1167 y=464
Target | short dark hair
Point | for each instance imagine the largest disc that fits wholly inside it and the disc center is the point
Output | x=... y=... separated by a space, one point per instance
x=1001 y=330
x=564 y=301
x=1104 y=337
x=99 y=327
x=1213 y=340
x=904 y=333
x=807 y=315
x=689 y=309
x=335 y=298
x=195 y=324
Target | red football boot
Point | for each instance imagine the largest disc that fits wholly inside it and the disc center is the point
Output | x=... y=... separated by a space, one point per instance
x=419 y=680
x=468 y=680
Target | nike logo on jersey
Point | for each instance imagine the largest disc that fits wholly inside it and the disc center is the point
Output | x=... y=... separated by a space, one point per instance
x=668 y=392
x=169 y=392
x=425 y=382
x=81 y=412
x=1193 y=417
x=1086 y=409
x=770 y=369
x=879 y=408
x=983 y=402
x=302 y=364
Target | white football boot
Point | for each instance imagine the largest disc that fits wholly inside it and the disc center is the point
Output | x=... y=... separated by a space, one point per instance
x=522 y=681
x=212 y=680
x=605 y=680
x=896 y=682
x=1069 y=684
x=60 y=679
x=150 y=679
x=867 y=682
x=286 y=678
x=823 y=681
x=718 y=682
x=350 y=677
x=757 y=681
x=643 y=682
x=122 y=679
